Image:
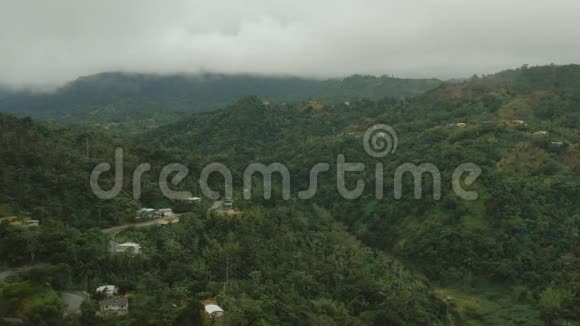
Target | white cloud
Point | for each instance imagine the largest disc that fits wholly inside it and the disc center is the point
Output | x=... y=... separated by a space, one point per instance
x=59 y=40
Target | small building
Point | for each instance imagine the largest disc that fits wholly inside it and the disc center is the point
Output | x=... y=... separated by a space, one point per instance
x=9 y=218
x=518 y=122
x=164 y=212
x=23 y=222
x=347 y=103
x=461 y=125
x=193 y=199
x=130 y=248
x=211 y=309
x=214 y=311
x=557 y=143
x=540 y=133
x=108 y=291
x=224 y=208
x=32 y=223
x=116 y=306
x=146 y=213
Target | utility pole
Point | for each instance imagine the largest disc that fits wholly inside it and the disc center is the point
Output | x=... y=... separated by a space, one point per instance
x=227 y=273
x=88 y=147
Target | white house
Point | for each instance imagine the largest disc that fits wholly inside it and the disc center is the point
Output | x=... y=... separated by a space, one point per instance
x=117 y=306
x=193 y=199
x=125 y=248
x=33 y=223
x=214 y=311
x=165 y=212
x=108 y=291
x=130 y=248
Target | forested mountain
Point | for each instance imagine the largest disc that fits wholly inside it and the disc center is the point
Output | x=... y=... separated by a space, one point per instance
x=510 y=257
x=152 y=99
x=285 y=265
x=44 y=173
x=520 y=126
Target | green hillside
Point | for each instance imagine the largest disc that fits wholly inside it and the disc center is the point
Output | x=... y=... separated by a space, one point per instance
x=521 y=128
x=510 y=257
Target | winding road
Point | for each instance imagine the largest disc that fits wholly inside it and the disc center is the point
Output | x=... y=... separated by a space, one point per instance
x=119 y=228
x=112 y=230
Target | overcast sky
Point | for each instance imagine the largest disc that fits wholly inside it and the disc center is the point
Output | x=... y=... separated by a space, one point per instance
x=59 y=40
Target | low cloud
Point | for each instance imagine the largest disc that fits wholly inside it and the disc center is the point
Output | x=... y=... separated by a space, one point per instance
x=56 y=41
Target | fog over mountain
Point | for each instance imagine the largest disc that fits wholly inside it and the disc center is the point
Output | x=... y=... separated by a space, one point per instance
x=51 y=42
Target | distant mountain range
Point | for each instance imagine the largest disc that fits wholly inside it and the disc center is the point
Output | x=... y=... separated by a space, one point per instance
x=122 y=97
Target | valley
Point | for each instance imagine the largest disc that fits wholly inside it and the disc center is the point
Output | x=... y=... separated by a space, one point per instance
x=508 y=257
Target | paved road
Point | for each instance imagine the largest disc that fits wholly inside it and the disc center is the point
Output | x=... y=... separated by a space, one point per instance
x=119 y=228
x=72 y=303
x=114 y=230
x=6 y=274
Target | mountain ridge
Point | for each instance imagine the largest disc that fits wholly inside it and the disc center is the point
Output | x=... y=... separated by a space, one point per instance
x=121 y=97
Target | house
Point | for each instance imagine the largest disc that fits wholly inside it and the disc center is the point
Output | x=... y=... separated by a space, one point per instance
x=214 y=311
x=9 y=219
x=540 y=133
x=32 y=223
x=224 y=208
x=164 y=212
x=117 y=306
x=125 y=248
x=14 y=220
x=461 y=125
x=130 y=248
x=211 y=309
x=108 y=291
x=146 y=213
x=193 y=199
